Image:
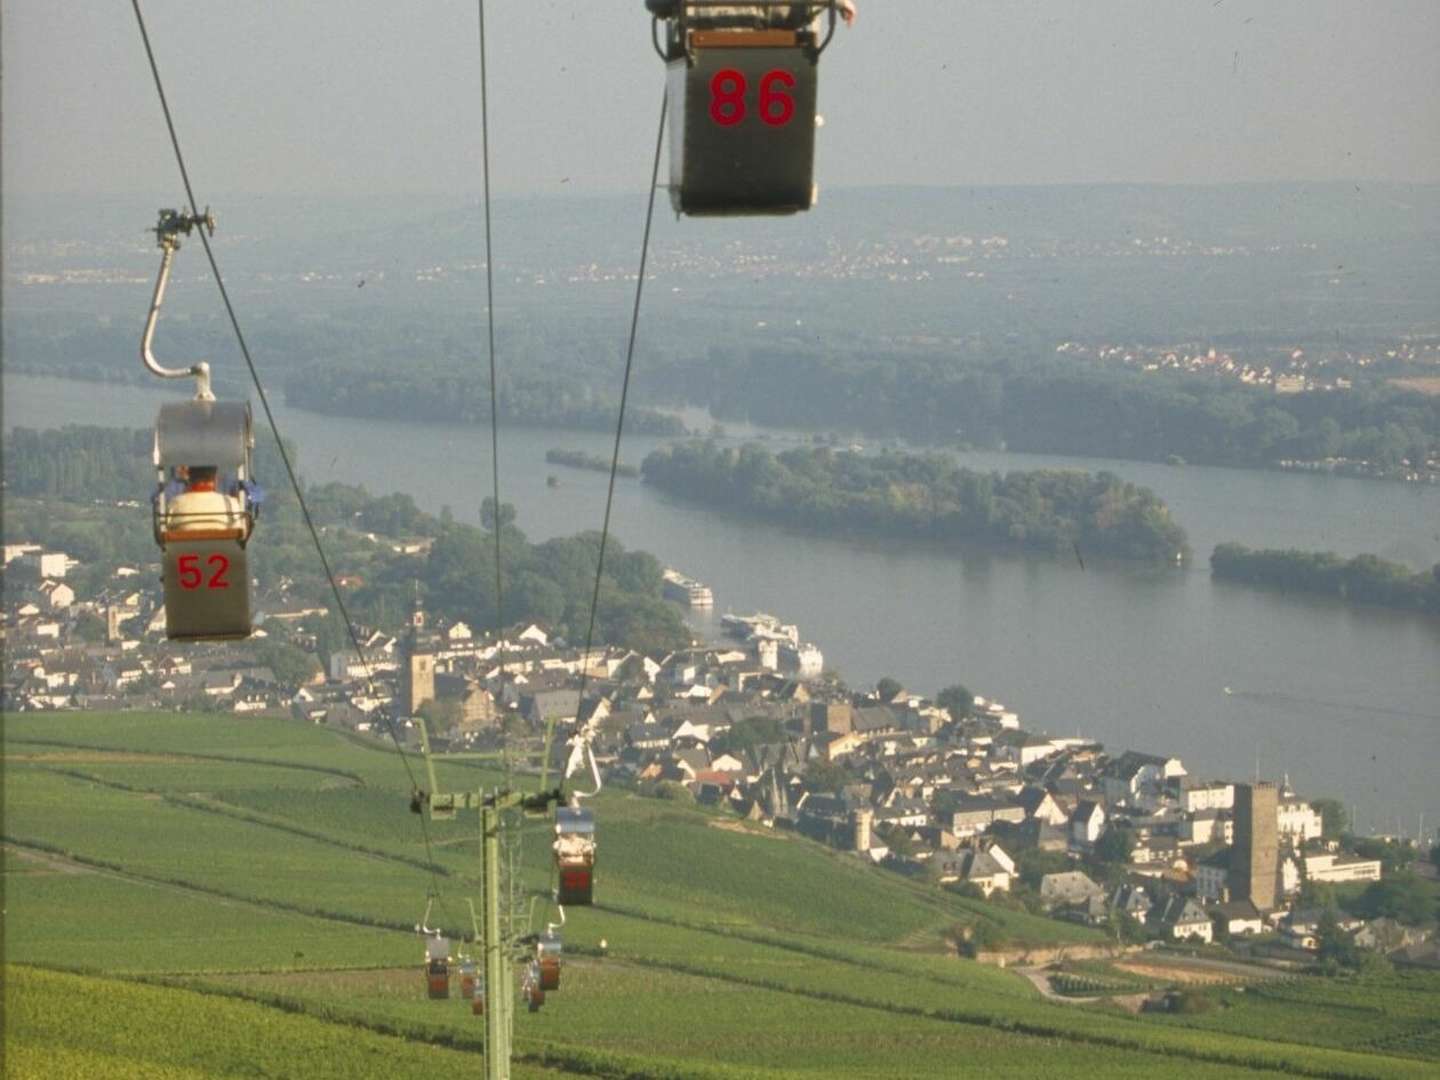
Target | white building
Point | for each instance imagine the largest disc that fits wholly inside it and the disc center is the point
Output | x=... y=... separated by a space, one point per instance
x=45 y=564
x=14 y=551
x=1087 y=824
x=806 y=661
x=1330 y=867
x=1297 y=820
x=57 y=594
x=1207 y=826
x=1212 y=796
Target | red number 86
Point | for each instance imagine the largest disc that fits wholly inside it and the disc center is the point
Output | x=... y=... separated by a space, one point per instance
x=727 y=97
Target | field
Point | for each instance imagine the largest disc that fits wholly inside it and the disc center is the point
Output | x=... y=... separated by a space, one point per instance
x=1420 y=384
x=255 y=883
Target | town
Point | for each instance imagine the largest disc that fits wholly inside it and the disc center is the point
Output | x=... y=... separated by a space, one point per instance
x=953 y=790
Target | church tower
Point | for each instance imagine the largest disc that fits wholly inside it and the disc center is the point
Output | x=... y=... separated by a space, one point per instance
x=417 y=675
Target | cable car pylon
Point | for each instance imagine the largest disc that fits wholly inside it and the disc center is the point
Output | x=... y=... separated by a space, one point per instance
x=498 y=949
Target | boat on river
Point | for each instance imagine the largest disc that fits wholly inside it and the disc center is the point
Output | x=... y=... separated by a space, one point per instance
x=686 y=590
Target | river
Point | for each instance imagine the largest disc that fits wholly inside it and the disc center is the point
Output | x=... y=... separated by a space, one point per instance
x=1346 y=701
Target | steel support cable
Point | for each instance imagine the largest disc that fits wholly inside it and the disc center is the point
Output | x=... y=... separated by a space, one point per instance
x=490 y=327
x=509 y=837
x=275 y=428
x=615 y=454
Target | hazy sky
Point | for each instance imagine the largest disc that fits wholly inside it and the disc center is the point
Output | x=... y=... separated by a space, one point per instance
x=365 y=96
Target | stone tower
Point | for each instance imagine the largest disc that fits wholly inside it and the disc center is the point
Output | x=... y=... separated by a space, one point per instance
x=417 y=677
x=419 y=680
x=1255 y=858
x=863 y=820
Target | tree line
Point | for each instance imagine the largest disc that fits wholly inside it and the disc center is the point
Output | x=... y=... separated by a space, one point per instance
x=55 y=477
x=1047 y=406
x=1012 y=394
x=79 y=462
x=538 y=400
x=926 y=496
x=579 y=459
x=1365 y=579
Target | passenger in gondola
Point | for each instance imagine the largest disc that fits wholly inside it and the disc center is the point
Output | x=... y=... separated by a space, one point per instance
x=200 y=506
x=751 y=16
x=254 y=496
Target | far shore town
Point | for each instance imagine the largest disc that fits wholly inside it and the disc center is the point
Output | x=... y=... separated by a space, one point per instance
x=953 y=789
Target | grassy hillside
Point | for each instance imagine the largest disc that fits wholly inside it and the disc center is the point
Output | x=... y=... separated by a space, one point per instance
x=66 y=1025
x=279 y=864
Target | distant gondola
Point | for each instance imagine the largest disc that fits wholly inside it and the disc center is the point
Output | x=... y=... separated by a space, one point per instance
x=574 y=856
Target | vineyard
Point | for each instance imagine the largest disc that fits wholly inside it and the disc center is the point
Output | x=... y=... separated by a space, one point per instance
x=254 y=884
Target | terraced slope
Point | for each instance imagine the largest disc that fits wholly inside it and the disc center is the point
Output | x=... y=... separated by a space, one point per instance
x=278 y=864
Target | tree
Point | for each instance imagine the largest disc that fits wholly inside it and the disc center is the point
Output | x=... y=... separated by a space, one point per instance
x=1114 y=845
x=487 y=513
x=89 y=626
x=1034 y=864
x=331 y=636
x=674 y=791
x=956 y=700
x=985 y=934
x=646 y=624
x=441 y=716
x=887 y=688
x=1334 y=944
x=1191 y=1002
x=291 y=665
x=826 y=776
x=1403 y=897
x=747 y=734
x=1332 y=817
x=1394 y=855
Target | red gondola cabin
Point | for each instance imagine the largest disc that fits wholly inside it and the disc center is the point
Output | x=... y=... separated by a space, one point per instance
x=574 y=856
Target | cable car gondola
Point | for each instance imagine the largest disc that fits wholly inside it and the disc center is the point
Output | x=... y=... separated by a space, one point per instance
x=467 y=978
x=574 y=855
x=437 y=967
x=205 y=500
x=531 y=989
x=741 y=87
x=548 y=952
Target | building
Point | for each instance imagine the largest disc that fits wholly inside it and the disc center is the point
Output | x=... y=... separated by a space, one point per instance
x=1135 y=778
x=975 y=814
x=862 y=820
x=1087 y=824
x=1332 y=868
x=1238 y=918
x=417 y=668
x=1254 y=862
x=42 y=564
x=1183 y=919
x=1298 y=821
x=1215 y=795
x=1069 y=887
x=1211 y=876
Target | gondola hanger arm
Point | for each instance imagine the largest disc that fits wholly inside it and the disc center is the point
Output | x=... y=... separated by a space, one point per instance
x=171 y=226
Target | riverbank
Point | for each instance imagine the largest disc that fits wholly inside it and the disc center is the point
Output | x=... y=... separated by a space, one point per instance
x=1363 y=580
x=1135 y=655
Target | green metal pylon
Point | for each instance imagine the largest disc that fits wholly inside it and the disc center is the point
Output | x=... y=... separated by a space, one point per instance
x=498 y=811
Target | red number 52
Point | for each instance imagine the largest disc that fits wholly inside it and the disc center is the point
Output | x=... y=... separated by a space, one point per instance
x=190 y=574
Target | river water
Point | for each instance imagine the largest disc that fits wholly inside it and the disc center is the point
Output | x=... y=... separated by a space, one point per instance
x=1346 y=701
